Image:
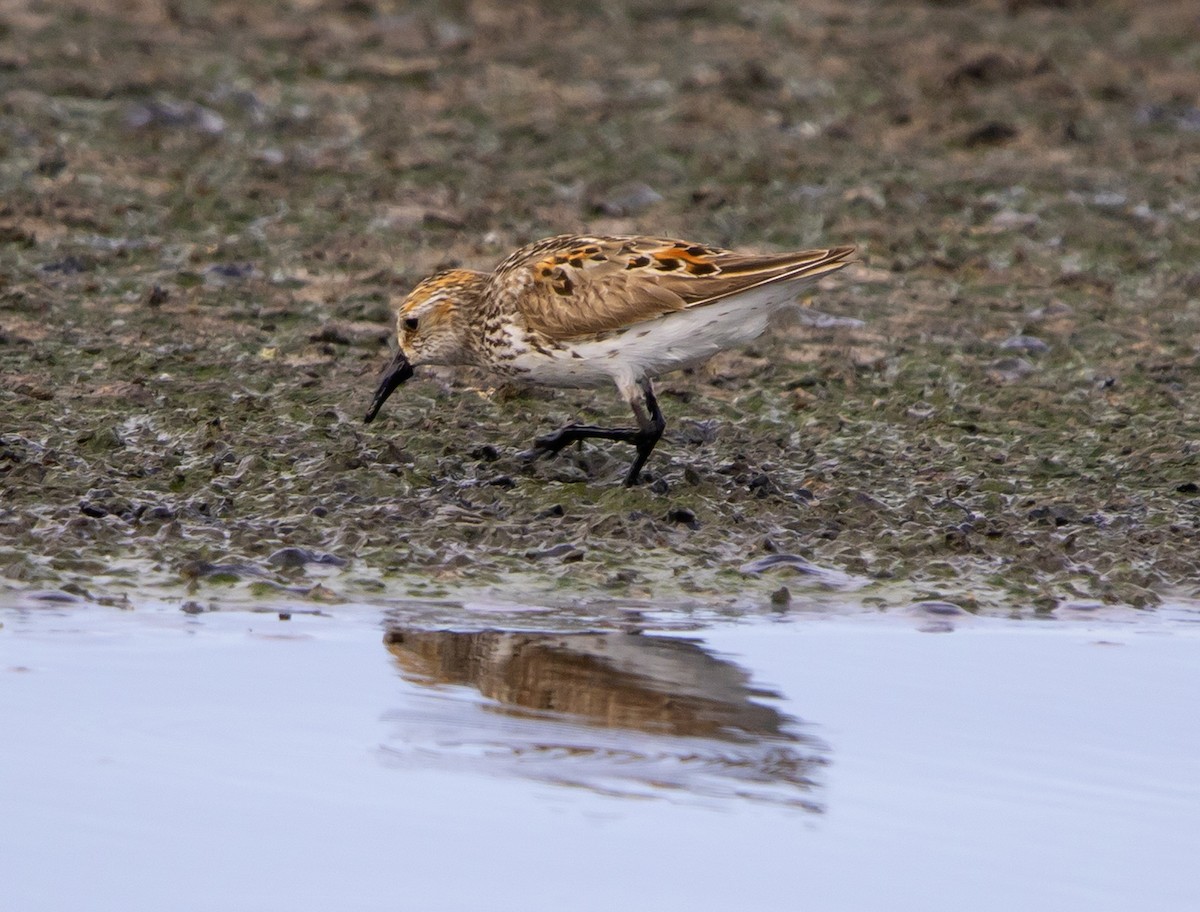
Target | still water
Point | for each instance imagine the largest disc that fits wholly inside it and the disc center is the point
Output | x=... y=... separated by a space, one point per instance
x=366 y=758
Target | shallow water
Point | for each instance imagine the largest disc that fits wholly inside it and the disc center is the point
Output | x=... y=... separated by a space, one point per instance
x=358 y=759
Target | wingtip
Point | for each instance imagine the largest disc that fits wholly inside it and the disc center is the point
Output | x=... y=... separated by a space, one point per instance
x=838 y=257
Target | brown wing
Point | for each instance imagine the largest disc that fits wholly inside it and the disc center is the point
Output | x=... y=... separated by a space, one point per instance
x=580 y=286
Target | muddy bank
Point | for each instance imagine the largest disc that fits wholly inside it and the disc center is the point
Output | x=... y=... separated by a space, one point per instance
x=207 y=212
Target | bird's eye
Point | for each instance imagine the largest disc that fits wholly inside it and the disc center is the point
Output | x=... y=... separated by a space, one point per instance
x=410 y=323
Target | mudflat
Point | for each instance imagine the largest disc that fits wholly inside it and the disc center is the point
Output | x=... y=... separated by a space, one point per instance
x=207 y=211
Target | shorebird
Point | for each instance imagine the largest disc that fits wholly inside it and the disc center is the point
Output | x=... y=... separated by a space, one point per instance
x=574 y=311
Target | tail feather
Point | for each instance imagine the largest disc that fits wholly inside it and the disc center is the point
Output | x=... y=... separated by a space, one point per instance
x=739 y=274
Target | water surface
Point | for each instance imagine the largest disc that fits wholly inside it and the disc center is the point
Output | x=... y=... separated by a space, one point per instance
x=360 y=759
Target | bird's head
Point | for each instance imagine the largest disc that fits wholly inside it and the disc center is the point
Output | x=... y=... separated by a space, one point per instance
x=430 y=328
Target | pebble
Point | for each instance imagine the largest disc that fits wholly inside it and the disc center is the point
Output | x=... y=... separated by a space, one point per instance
x=938 y=608
x=772 y=561
x=629 y=199
x=184 y=115
x=291 y=558
x=1008 y=370
x=1030 y=344
x=683 y=516
x=566 y=551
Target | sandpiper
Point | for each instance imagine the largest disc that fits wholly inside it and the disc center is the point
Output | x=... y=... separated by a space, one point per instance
x=585 y=311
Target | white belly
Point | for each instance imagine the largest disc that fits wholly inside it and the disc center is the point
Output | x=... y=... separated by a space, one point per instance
x=670 y=342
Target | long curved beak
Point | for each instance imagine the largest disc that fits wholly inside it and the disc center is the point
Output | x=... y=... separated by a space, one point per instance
x=397 y=372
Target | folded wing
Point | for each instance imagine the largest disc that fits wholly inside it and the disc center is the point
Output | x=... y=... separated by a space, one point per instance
x=581 y=286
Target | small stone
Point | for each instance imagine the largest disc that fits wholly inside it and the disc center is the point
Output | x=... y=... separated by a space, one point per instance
x=294 y=558
x=1030 y=344
x=157 y=513
x=938 y=608
x=442 y=219
x=55 y=596
x=771 y=561
x=762 y=485
x=992 y=133
x=683 y=516
x=1055 y=514
x=819 y=320
x=270 y=156
x=801 y=398
x=69 y=265
x=1053 y=309
x=486 y=452
x=289 y=558
x=202 y=569
x=319 y=593
x=230 y=272
x=330 y=332
x=183 y=115
x=781 y=597
x=1012 y=220
x=1008 y=370
x=629 y=199
x=561 y=550
x=51 y=166
x=450 y=35
x=1109 y=199
x=697 y=432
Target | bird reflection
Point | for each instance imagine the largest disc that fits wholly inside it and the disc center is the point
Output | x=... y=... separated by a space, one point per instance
x=619 y=713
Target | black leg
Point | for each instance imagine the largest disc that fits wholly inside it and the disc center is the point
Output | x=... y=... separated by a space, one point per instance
x=644 y=437
x=652 y=427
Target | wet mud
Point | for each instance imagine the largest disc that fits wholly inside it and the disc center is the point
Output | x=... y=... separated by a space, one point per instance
x=208 y=209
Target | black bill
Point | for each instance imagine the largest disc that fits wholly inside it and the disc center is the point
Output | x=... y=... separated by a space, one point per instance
x=397 y=372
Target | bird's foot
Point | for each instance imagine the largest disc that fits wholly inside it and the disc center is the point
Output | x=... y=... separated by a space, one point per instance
x=643 y=439
x=573 y=433
x=552 y=444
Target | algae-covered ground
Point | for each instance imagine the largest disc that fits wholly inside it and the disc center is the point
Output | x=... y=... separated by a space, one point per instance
x=207 y=210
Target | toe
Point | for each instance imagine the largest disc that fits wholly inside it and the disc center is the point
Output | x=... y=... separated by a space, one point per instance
x=552 y=443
